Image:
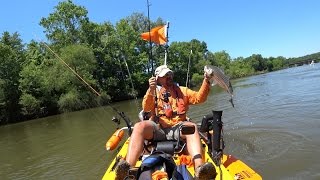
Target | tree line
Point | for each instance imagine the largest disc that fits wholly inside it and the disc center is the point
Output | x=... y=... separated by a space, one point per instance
x=112 y=58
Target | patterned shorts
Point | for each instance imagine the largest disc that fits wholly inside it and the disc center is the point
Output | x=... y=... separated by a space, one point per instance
x=171 y=133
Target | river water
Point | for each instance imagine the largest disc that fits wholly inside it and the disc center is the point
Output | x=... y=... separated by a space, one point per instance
x=274 y=128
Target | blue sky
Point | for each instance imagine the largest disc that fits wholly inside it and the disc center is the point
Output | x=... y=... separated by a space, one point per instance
x=289 y=28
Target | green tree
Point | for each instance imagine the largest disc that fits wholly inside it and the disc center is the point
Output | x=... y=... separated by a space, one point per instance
x=222 y=59
x=11 y=59
x=257 y=62
x=76 y=94
x=240 y=68
x=178 y=58
x=278 y=63
x=2 y=102
x=269 y=64
x=179 y=55
x=38 y=83
x=65 y=25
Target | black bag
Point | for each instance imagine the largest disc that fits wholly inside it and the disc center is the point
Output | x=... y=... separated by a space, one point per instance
x=153 y=162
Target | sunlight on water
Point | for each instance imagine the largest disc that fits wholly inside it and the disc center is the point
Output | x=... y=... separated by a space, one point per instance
x=274 y=128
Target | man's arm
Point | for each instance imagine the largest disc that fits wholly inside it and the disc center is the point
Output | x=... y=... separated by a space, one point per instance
x=148 y=102
x=200 y=96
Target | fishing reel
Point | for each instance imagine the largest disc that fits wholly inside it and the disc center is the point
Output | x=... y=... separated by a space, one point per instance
x=125 y=118
x=116 y=120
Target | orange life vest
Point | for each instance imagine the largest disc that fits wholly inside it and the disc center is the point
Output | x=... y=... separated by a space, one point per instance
x=172 y=109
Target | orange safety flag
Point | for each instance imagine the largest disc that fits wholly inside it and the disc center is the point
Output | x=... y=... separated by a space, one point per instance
x=158 y=35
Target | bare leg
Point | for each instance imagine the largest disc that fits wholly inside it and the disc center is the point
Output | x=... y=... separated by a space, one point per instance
x=141 y=131
x=194 y=144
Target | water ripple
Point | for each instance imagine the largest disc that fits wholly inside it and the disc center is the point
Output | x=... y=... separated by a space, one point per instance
x=264 y=144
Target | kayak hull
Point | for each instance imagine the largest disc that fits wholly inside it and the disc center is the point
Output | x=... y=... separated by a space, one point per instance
x=231 y=168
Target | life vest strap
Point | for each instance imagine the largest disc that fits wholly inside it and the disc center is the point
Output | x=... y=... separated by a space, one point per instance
x=174 y=113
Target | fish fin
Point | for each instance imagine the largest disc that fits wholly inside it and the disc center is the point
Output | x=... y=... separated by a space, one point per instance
x=212 y=82
x=231 y=101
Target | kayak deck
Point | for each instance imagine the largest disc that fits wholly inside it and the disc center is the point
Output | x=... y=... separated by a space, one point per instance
x=230 y=168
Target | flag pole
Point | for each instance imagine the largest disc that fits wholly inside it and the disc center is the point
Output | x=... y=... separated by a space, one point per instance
x=166 y=45
x=150 y=43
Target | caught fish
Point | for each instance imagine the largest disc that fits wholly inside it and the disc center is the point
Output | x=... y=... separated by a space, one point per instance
x=218 y=76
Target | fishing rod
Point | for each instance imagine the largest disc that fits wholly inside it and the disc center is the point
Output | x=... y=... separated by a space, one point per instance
x=150 y=43
x=120 y=113
x=150 y=60
x=166 y=45
x=132 y=86
x=188 y=68
x=129 y=74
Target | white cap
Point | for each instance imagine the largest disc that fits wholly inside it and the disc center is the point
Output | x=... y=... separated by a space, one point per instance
x=162 y=71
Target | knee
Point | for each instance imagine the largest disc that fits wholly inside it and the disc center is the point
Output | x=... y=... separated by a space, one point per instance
x=141 y=126
x=138 y=126
x=143 y=129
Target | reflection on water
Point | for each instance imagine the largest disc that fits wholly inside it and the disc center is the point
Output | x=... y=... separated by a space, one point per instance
x=274 y=128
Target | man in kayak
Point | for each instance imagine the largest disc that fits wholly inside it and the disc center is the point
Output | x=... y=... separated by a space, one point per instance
x=168 y=104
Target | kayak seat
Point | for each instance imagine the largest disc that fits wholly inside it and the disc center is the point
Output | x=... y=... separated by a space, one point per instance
x=167 y=147
x=172 y=146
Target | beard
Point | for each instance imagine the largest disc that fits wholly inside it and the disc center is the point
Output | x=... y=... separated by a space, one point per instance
x=169 y=82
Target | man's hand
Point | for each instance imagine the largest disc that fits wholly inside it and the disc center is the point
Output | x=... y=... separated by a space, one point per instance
x=152 y=83
x=207 y=77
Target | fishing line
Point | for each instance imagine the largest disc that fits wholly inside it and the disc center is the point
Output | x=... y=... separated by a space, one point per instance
x=132 y=86
x=87 y=84
x=75 y=73
x=92 y=90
